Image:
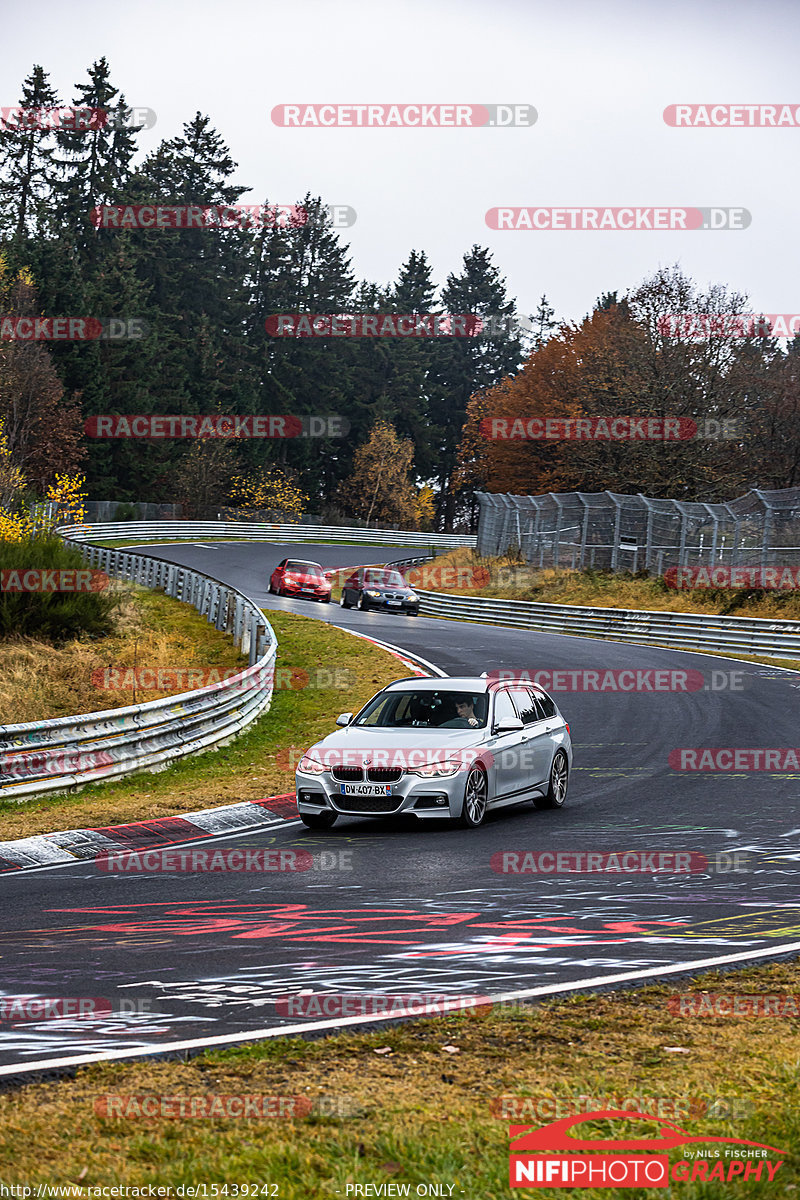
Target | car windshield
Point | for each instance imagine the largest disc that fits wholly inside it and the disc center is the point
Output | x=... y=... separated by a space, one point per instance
x=429 y=709
x=385 y=578
x=305 y=568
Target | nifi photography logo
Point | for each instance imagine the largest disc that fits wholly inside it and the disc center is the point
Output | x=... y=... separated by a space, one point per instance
x=632 y=1161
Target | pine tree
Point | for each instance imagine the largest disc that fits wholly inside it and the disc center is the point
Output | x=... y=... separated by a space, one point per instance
x=302 y=267
x=464 y=365
x=27 y=150
x=95 y=162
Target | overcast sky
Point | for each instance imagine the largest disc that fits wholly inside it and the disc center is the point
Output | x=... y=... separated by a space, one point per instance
x=598 y=73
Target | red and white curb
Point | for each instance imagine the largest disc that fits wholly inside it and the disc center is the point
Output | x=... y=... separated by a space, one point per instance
x=79 y=845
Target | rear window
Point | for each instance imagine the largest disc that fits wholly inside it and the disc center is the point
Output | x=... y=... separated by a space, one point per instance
x=546 y=704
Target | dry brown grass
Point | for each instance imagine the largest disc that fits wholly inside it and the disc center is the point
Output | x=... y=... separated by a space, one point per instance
x=152 y=631
x=515 y=580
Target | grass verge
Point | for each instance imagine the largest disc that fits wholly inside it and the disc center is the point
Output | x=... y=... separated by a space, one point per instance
x=152 y=632
x=509 y=579
x=249 y=768
x=421 y=1102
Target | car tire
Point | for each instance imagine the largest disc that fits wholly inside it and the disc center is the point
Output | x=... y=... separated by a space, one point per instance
x=413 y=612
x=476 y=798
x=325 y=600
x=362 y=604
x=557 y=785
x=322 y=820
x=271 y=588
x=342 y=602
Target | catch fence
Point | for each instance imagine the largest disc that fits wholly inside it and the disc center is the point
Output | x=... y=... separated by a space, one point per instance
x=618 y=532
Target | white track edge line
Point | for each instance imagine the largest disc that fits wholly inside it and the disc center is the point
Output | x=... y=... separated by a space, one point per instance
x=377 y=1018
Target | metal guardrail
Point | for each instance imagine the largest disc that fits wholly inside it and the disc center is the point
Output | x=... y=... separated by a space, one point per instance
x=688 y=631
x=43 y=757
x=144 y=531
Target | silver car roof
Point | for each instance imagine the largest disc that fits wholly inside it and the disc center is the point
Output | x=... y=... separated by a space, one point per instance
x=458 y=683
x=449 y=683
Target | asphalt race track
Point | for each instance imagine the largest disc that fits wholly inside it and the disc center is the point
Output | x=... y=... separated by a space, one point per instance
x=187 y=958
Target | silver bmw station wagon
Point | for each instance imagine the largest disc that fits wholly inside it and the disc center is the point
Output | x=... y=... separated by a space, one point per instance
x=439 y=749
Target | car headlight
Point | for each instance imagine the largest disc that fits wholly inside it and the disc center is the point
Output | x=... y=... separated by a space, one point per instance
x=434 y=770
x=412 y=596
x=311 y=766
x=371 y=592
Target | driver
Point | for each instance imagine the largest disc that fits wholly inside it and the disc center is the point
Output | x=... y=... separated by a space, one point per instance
x=466 y=715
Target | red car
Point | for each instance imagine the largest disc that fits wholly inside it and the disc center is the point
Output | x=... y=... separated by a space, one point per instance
x=292 y=577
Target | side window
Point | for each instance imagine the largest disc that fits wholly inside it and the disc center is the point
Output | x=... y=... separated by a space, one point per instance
x=503 y=707
x=351 y=582
x=525 y=705
x=546 y=704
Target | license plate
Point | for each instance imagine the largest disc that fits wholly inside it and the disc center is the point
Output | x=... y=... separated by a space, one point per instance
x=394 y=603
x=307 y=589
x=365 y=789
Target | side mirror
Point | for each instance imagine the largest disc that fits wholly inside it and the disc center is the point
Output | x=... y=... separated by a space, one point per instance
x=346 y=718
x=509 y=725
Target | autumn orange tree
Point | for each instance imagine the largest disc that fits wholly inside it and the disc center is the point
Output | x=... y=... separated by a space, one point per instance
x=620 y=362
x=545 y=387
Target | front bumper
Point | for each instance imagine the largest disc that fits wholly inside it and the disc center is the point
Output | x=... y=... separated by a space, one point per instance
x=438 y=798
x=384 y=605
x=298 y=593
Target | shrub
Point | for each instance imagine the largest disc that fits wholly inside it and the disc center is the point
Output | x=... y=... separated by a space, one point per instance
x=51 y=616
